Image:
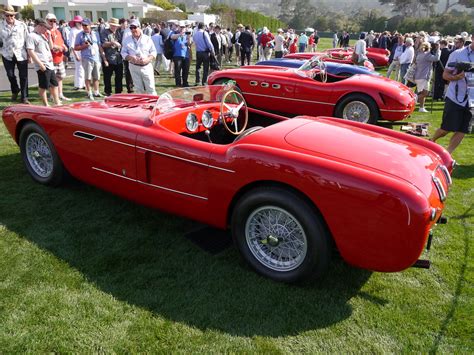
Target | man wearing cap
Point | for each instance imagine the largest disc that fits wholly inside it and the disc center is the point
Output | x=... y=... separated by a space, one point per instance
x=38 y=47
x=88 y=42
x=76 y=26
x=204 y=49
x=13 y=34
x=58 y=48
x=458 y=108
x=279 y=42
x=111 y=45
x=139 y=50
x=181 y=55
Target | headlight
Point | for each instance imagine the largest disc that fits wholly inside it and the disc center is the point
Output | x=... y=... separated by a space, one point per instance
x=207 y=120
x=192 y=122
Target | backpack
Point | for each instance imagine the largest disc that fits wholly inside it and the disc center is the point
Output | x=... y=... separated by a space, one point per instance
x=168 y=49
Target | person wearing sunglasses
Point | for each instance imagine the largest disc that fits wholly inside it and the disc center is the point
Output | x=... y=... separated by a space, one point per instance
x=139 y=50
x=58 y=48
x=13 y=34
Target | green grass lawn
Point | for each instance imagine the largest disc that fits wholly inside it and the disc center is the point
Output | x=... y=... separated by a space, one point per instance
x=83 y=271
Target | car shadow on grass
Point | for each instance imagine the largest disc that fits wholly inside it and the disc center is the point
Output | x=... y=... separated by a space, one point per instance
x=139 y=256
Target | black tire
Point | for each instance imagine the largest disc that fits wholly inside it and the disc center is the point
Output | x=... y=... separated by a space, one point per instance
x=315 y=239
x=365 y=100
x=51 y=176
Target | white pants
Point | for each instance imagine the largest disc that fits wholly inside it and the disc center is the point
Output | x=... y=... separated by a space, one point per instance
x=78 y=72
x=267 y=53
x=143 y=78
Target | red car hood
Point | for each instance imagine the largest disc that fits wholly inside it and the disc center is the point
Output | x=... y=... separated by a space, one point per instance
x=395 y=156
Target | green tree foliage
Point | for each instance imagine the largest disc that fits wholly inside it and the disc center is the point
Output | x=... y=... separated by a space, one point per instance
x=287 y=10
x=412 y=7
x=182 y=6
x=27 y=12
x=303 y=14
x=165 y=4
x=230 y=17
x=448 y=24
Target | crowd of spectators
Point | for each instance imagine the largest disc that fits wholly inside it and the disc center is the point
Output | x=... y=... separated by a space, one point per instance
x=140 y=51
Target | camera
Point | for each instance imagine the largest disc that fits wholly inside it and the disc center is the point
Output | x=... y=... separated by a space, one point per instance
x=187 y=33
x=462 y=66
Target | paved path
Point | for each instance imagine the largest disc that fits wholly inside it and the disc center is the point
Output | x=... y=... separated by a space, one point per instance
x=32 y=76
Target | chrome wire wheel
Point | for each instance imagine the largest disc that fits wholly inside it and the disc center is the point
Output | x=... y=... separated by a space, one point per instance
x=39 y=155
x=356 y=111
x=276 y=238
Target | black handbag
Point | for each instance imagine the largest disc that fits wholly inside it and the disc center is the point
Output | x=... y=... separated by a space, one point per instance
x=213 y=64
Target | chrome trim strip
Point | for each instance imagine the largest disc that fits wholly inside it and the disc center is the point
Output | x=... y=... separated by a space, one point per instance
x=171 y=190
x=289 y=98
x=84 y=135
x=152 y=185
x=114 y=174
x=186 y=160
x=384 y=110
x=409 y=214
x=107 y=139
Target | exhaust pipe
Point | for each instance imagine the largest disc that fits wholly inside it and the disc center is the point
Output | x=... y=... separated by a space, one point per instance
x=422 y=264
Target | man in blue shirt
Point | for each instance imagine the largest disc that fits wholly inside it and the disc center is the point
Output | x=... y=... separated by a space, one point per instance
x=88 y=42
x=457 y=112
x=181 y=55
x=204 y=49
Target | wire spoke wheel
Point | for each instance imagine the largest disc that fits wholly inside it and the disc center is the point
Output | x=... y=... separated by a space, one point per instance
x=356 y=111
x=39 y=155
x=276 y=238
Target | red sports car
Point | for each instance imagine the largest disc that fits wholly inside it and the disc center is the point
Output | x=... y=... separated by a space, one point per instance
x=377 y=56
x=288 y=189
x=309 y=90
x=327 y=57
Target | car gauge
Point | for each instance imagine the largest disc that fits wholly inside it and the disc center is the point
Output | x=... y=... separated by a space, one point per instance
x=207 y=120
x=192 y=122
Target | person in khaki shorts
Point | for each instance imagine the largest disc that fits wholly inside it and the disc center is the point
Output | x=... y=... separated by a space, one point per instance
x=58 y=48
x=88 y=42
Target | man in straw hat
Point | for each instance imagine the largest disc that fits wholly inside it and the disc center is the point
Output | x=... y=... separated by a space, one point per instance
x=111 y=44
x=13 y=34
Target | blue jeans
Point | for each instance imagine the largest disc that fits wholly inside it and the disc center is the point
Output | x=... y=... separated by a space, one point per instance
x=403 y=71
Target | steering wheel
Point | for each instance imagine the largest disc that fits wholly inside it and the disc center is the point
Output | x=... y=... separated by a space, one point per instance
x=231 y=104
x=322 y=73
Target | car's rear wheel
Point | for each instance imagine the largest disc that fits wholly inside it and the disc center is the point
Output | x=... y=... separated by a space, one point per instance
x=39 y=155
x=280 y=235
x=357 y=107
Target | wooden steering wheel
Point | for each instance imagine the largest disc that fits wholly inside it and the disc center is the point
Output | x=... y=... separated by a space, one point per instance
x=231 y=104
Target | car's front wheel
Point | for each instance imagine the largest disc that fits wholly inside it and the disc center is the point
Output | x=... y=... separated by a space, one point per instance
x=357 y=107
x=280 y=235
x=39 y=155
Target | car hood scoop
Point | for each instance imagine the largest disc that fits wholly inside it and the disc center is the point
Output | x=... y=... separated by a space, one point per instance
x=358 y=146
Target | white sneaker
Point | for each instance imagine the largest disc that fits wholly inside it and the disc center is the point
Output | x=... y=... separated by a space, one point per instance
x=64 y=98
x=422 y=109
x=98 y=94
x=90 y=96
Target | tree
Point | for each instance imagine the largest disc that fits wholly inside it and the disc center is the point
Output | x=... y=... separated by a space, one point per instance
x=164 y=4
x=303 y=14
x=182 y=6
x=466 y=3
x=287 y=10
x=416 y=8
x=27 y=12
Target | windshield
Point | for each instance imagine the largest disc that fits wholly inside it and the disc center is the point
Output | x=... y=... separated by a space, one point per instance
x=310 y=66
x=185 y=96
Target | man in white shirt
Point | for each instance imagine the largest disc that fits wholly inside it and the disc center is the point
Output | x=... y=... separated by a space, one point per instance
x=139 y=50
x=279 y=41
x=13 y=34
x=406 y=58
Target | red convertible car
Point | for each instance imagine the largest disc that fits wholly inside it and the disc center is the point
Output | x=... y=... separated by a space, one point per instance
x=327 y=57
x=377 y=56
x=310 y=90
x=290 y=190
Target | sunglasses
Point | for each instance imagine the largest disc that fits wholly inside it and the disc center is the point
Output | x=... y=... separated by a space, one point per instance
x=54 y=21
x=8 y=15
x=133 y=27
